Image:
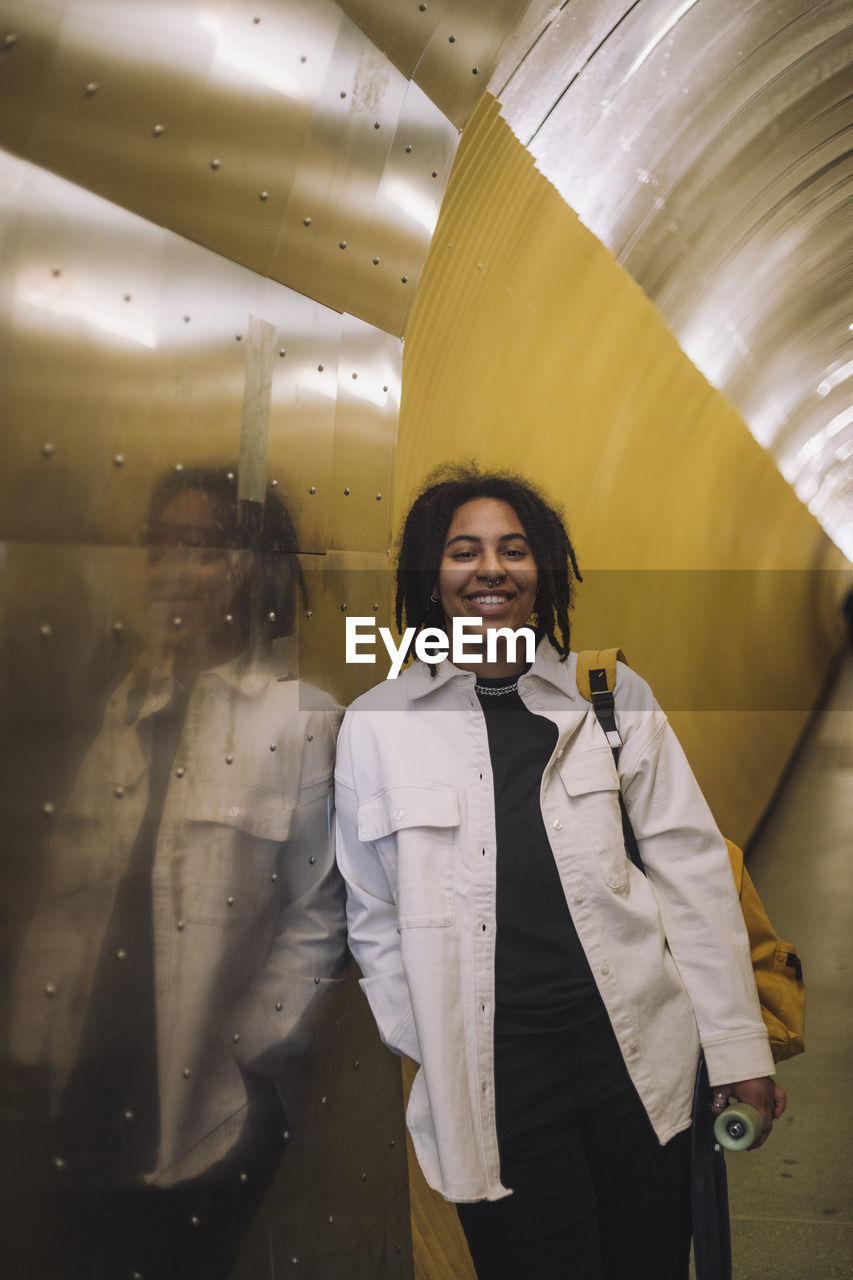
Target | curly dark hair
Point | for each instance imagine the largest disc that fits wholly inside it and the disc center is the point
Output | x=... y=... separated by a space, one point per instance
x=425 y=532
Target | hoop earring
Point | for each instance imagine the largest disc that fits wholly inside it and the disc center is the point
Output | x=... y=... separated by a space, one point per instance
x=434 y=599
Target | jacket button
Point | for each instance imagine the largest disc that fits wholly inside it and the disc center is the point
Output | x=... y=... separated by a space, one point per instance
x=398 y=815
x=577 y=898
x=557 y=824
x=605 y=969
x=540 y=705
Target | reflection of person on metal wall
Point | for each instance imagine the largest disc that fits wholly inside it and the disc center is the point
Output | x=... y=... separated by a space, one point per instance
x=192 y=916
x=506 y=942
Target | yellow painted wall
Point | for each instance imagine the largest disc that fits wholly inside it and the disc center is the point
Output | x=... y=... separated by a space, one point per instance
x=530 y=348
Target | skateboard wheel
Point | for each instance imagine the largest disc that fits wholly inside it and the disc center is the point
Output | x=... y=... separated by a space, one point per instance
x=737 y=1127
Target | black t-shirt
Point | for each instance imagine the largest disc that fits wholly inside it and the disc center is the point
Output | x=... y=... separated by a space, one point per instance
x=542 y=976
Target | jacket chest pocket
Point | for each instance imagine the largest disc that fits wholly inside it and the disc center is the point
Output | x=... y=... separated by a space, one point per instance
x=414 y=831
x=593 y=787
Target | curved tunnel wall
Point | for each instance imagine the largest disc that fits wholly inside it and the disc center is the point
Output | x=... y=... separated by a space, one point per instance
x=530 y=348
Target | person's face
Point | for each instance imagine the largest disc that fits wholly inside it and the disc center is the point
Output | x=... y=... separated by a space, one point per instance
x=191 y=575
x=487 y=570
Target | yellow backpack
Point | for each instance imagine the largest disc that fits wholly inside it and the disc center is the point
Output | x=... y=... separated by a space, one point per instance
x=777 y=968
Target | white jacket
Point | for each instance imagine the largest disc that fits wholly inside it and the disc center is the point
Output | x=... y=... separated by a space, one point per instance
x=416 y=845
x=248 y=911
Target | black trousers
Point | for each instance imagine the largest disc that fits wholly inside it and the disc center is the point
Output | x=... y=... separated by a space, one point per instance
x=595 y=1196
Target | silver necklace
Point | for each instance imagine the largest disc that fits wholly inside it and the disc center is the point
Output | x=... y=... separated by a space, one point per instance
x=496 y=691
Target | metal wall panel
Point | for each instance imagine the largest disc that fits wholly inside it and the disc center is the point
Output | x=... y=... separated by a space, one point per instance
x=448 y=47
x=262 y=132
x=187 y=1088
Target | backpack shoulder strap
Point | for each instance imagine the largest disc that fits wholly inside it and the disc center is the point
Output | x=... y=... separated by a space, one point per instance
x=597 y=660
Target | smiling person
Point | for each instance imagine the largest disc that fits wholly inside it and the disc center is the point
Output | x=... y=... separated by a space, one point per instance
x=555 y=997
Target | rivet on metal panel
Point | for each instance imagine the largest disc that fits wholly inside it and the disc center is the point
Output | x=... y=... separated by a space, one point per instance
x=118 y=628
x=331 y=1217
x=230 y=476
x=312 y=489
x=384 y=388
x=48 y=449
x=312 y=860
x=59 y=1163
x=92 y=88
x=274 y=877
x=229 y=618
x=435 y=173
x=272 y=746
x=256 y=20
x=128 y=1115
x=9 y=40
x=376 y=262
x=343 y=608
x=179 y=466
x=308 y=613
x=236 y=1038
x=342 y=245
x=187 y=319
x=50 y=989
x=310 y=737
x=244 y=1177
x=121 y=954
x=320 y=368
x=214 y=164
x=56 y=272
x=194 y=1221
x=282 y=353
x=343 y=93
x=177 y=623
x=127 y=297
x=303 y=58
x=422 y=8
x=346 y=493
x=118 y=460
x=376 y=608
x=392 y=1143
x=278 y=1005
x=238 y=337
x=180 y=926
x=306 y=222
x=137 y=1275
x=377 y=124
x=408 y=149
x=270 y=617
x=295 y=1260
x=324 y=1100
x=264 y=195
x=230 y=902
x=180 y=771
x=404 y=279
x=186 y=1073
x=286 y=1135
x=229 y=759
x=158 y=130
x=379 y=497
x=354 y=377
x=451 y=39
x=475 y=71
x=316 y=979
x=48 y=808
x=46 y=630
x=364 y=1177
x=356 y=1065
x=273 y=484
x=119 y=793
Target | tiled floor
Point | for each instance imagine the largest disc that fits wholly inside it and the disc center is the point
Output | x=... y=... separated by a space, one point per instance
x=792 y=1202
